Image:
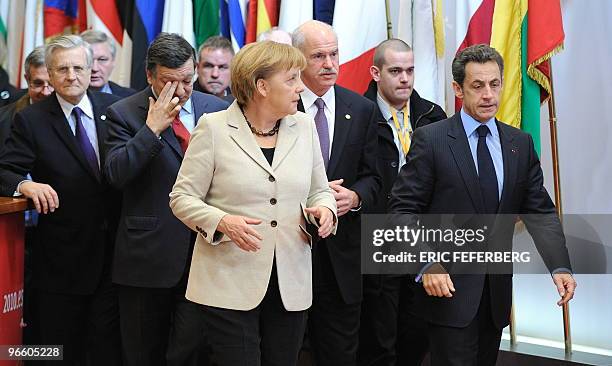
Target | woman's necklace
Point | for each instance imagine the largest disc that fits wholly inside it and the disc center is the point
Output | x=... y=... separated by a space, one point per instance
x=272 y=132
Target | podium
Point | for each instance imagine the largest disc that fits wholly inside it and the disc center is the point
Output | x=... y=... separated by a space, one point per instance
x=11 y=270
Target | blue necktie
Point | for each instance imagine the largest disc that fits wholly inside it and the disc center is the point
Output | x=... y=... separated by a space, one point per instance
x=322 y=129
x=486 y=172
x=84 y=143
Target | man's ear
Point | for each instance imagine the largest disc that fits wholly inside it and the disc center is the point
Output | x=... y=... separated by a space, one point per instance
x=375 y=72
x=457 y=89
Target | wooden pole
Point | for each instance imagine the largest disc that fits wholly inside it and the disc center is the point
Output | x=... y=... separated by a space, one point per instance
x=389 y=23
x=567 y=334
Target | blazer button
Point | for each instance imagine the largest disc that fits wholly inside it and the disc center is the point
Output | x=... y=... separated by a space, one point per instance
x=271 y=179
x=273 y=223
x=394 y=164
x=272 y=201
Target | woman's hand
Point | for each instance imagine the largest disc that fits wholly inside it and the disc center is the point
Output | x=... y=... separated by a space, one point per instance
x=325 y=217
x=239 y=230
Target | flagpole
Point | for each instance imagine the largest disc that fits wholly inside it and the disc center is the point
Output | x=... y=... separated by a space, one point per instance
x=389 y=23
x=552 y=113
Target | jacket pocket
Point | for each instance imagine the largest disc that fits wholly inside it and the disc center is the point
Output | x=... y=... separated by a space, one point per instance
x=141 y=222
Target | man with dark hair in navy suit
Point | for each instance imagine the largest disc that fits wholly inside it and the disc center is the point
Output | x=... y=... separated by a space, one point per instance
x=148 y=136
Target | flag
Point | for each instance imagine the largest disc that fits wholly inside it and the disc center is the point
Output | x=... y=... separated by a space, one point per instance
x=251 y=22
x=103 y=16
x=206 y=19
x=267 y=15
x=32 y=35
x=233 y=21
x=62 y=17
x=14 y=20
x=178 y=18
x=293 y=13
x=367 y=19
x=421 y=26
x=324 y=10
x=142 y=22
x=527 y=33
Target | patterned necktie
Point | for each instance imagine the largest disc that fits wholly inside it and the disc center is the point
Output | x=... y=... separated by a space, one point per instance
x=322 y=129
x=84 y=143
x=486 y=172
x=181 y=133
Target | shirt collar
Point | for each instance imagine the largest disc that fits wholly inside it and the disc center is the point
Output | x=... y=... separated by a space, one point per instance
x=384 y=107
x=308 y=98
x=106 y=89
x=84 y=104
x=470 y=125
x=186 y=108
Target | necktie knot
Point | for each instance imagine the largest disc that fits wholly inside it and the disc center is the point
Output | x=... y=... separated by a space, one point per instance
x=320 y=104
x=483 y=131
x=78 y=112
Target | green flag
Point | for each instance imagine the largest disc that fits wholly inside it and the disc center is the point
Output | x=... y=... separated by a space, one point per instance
x=206 y=19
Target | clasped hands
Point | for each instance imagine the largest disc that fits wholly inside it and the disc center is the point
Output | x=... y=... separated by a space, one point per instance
x=240 y=229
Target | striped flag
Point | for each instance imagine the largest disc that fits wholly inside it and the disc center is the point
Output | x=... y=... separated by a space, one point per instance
x=421 y=25
x=251 y=22
x=32 y=35
x=206 y=19
x=178 y=18
x=267 y=15
x=142 y=22
x=293 y=13
x=367 y=19
x=527 y=33
x=62 y=17
x=233 y=21
x=324 y=10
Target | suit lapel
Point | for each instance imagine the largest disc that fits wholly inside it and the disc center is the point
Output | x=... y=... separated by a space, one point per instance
x=62 y=128
x=287 y=136
x=101 y=130
x=510 y=155
x=460 y=149
x=342 y=126
x=242 y=136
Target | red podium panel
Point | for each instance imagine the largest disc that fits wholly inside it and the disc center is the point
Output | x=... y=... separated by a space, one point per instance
x=11 y=271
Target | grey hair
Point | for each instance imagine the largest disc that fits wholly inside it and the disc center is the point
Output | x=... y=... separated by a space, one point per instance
x=393 y=44
x=216 y=43
x=480 y=53
x=67 y=42
x=36 y=58
x=94 y=36
x=298 y=36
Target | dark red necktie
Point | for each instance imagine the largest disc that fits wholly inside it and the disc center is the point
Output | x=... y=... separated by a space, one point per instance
x=181 y=133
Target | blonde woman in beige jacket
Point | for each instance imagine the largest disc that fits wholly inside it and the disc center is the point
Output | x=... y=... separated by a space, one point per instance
x=251 y=181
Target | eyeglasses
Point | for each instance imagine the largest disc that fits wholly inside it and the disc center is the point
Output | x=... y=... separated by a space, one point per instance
x=39 y=84
x=64 y=70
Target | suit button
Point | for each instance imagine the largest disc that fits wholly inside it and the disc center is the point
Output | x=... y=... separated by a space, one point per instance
x=394 y=164
x=273 y=223
x=272 y=201
x=271 y=179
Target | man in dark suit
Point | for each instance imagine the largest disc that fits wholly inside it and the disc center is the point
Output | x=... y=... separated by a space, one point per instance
x=347 y=134
x=39 y=87
x=389 y=331
x=148 y=136
x=59 y=141
x=104 y=52
x=474 y=165
x=8 y=93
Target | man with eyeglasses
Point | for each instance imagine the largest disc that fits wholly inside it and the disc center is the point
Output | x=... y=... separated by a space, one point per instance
x=104 y=52
x=38 y=89
x=60 y=142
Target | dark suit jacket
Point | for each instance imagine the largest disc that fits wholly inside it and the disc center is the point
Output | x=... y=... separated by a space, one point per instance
x=440 y=177
x=152 y=244
x=120 y=91
x=353 y=158
x=8 y=93
x=75 y=241
x=7 y=114
x=422 y=112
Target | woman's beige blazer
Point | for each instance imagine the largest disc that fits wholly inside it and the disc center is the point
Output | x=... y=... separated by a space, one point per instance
x=225 y=172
